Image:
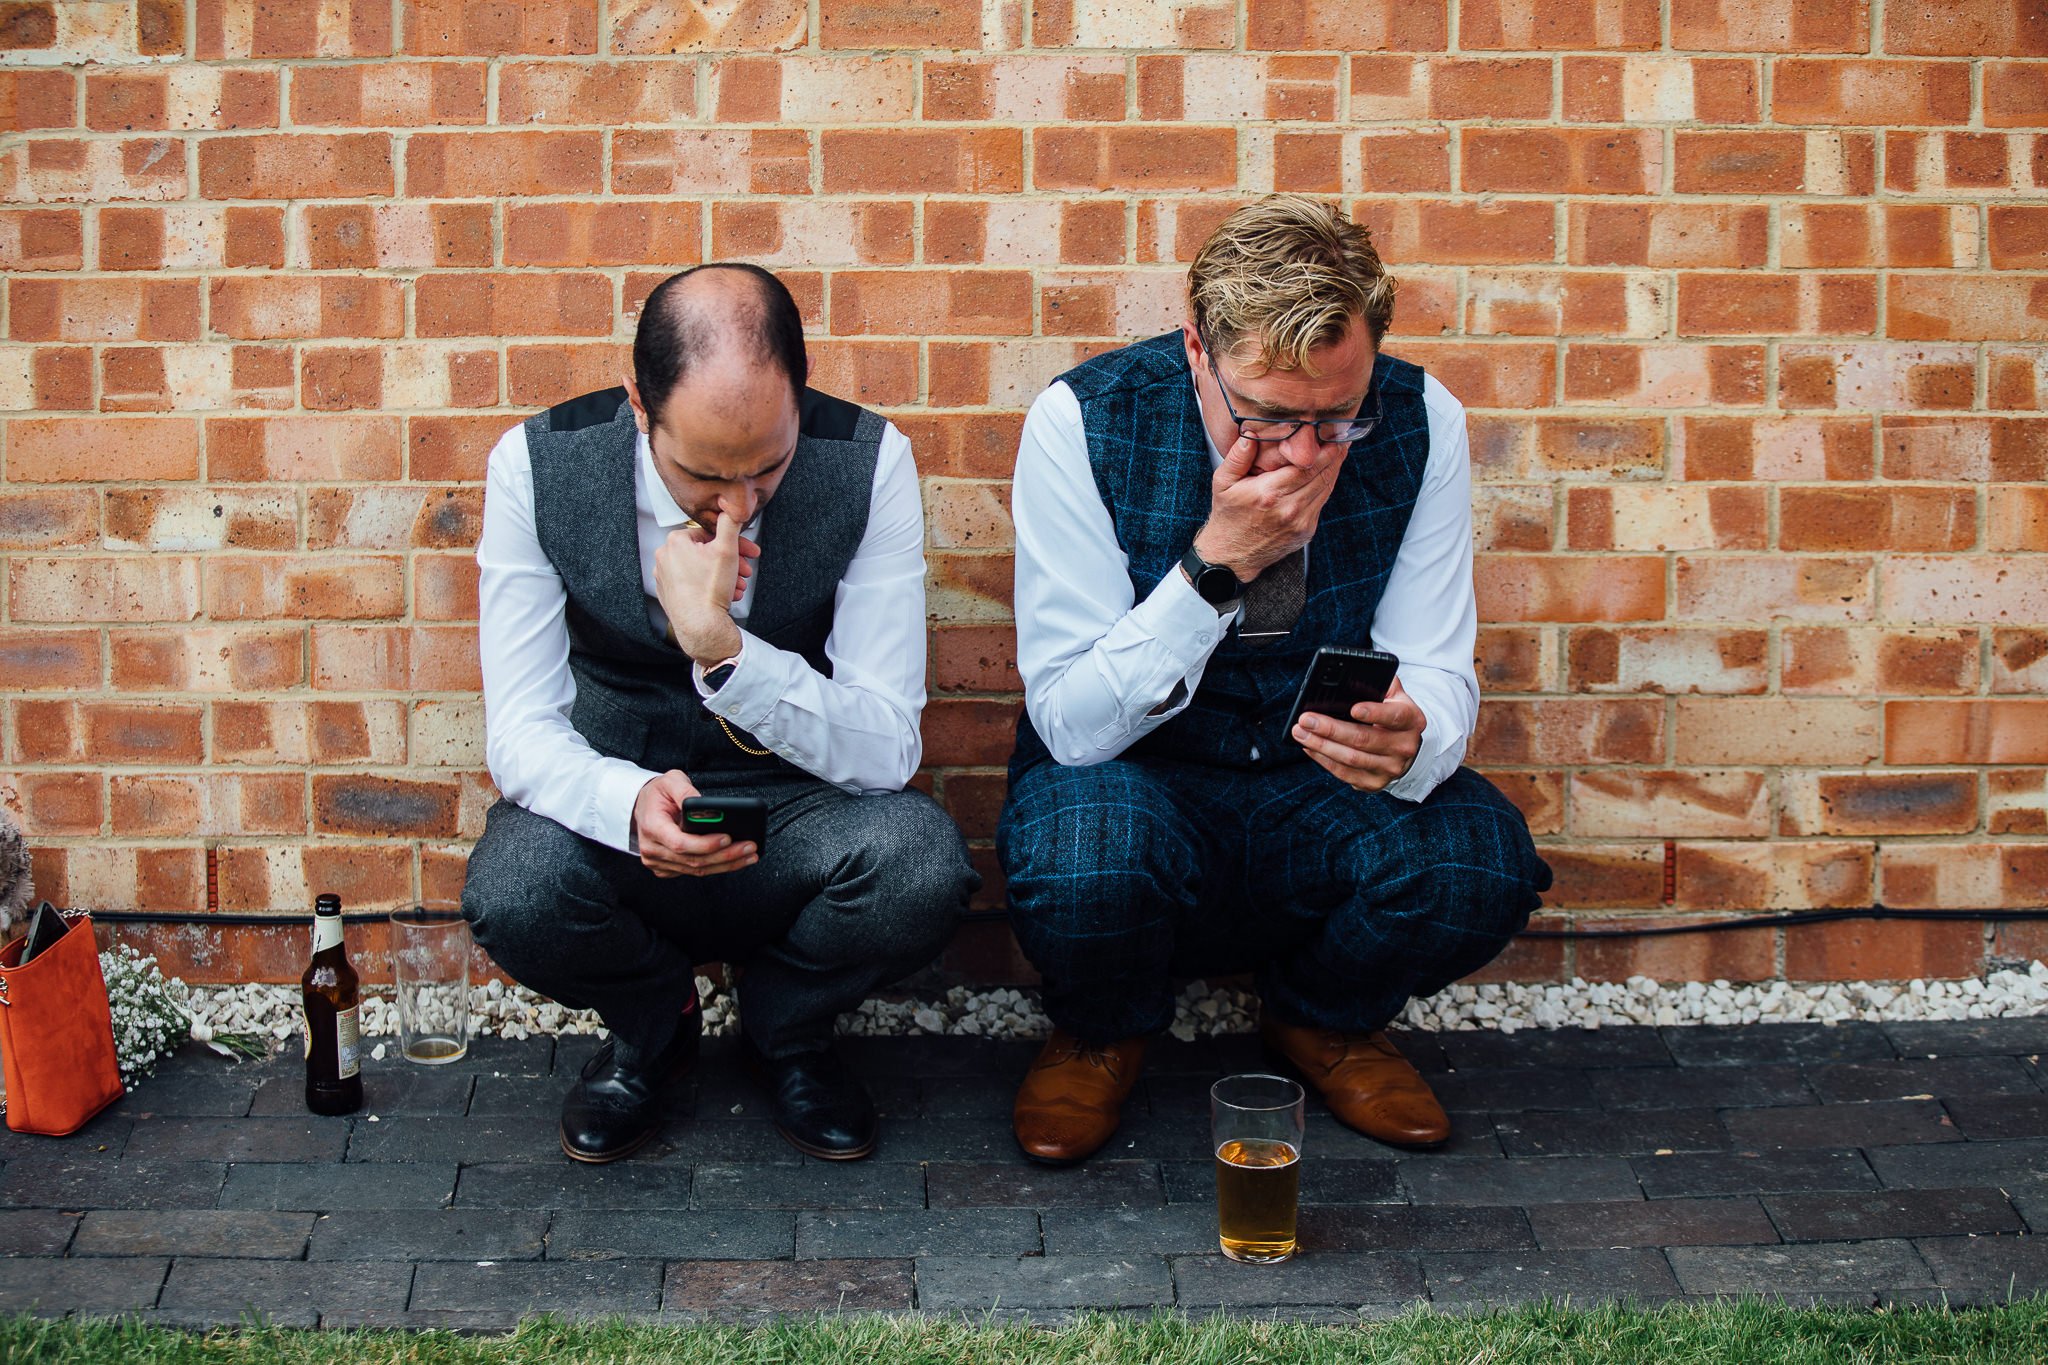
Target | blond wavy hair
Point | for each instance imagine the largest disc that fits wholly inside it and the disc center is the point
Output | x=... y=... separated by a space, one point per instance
x=1289 y=272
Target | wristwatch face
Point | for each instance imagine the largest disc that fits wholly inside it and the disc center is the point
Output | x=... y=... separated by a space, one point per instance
x=1216 y=584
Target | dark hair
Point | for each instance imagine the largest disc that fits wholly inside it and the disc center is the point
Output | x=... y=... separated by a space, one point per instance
x=677 y=333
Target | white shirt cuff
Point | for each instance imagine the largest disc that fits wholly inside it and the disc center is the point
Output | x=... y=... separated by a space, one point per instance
x=612 y=797
x=1182 y=620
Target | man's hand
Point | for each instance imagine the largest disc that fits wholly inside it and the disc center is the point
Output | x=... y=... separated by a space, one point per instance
x=698 y=575
x=1374 y=747
x=1258 y=519
x=666 y=850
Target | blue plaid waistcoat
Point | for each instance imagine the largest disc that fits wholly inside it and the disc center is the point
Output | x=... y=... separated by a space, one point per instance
x=1151 y=463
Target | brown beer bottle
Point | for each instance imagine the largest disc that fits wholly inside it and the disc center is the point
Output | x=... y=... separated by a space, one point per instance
x=334 y=1077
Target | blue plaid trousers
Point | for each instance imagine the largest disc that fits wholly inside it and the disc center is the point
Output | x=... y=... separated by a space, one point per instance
x=1125 y=874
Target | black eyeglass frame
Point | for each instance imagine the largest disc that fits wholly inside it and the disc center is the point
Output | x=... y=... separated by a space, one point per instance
x=1363 y=424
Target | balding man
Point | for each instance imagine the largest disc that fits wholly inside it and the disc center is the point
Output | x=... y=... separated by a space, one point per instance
x=708 y=582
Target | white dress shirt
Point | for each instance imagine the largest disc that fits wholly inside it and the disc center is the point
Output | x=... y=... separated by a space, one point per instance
x=1098 y=665
x=856 y=729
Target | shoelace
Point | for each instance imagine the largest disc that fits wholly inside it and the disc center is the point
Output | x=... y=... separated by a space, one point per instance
x=1094 y=1054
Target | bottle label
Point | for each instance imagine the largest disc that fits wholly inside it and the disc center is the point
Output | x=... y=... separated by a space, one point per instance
x=326 y=932
x=348 y=1042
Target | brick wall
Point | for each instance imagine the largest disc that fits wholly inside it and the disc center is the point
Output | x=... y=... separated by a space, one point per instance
x=1744 y=298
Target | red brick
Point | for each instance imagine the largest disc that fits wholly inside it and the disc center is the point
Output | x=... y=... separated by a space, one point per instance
x=310 y=587
x=454 y=448
x=1663 y=659
x=212 y=659
x=1515 y=659
x=1569 y=588
x=285 y=165
x=1995 y=308
x=463 y=28
x=1498 y=374
x=1850 y=661
x=227 y=804
x=28 y=26
x=918 y=303
x=1447 y=233
x=103 y=310
x=1585 y=445
x=2018 y=519
x=893 y=23
x=49 y=660
x=499 y=165
x=1960 y=588
x=1682 y=518
x=595 y=233
x=1346 y=25
x=1027 y=89
x=1604 y=876
x=965 y=445
x=37 y=99
x=2005 y=876
x=401 y=94
x=302 y=732
x=1665 y=375
x=1569 y=731
x=1774 y=876
x=271 y=877
x=1399 y=160
x=283 y=307
x=127 y=588
x=1741 y=955
x=200 y=518
x=536 y=376
x=93 y=449
x=1561 y=160
x=362 y=804
x=1822 y=26
x=1135 y=158
x=711 y=161
x=158 y=733
x=2018 y=801
x=1683 y=236
x=1964 y=30
x=60 y=803
x=498 y=305
x=1989 y=731
x=1546 y=303
x=1776 y=305
x=367 y=236
x=1591 y=23
x=1494 y=88
x=882 y=373
x=1773 y=163
x=444 y=587
x=1881 y=376
x=2015 y=95
x=1773 y=587
x=605 y=93
x=1879 y=803
x=261 y=449
x=41 y=239
x=1982 y=449
x=1869 y=92
x=959 y=732
x=1775 y=730
x=663 y=26
x=251 y=28
x=1874 y=519
x=1620 y=802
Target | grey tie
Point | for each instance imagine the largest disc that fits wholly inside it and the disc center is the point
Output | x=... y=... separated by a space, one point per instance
x=1274 y=601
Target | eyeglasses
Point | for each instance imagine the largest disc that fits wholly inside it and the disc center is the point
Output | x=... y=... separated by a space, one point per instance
x=1330 y=431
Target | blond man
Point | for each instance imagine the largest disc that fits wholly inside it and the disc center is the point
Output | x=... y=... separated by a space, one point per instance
x=1196 y=514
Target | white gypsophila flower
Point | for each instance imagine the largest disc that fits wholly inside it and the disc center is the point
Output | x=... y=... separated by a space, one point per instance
x=147 y=1016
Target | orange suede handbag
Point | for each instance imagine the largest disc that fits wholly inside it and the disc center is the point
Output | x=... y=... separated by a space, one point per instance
x=57 y=1034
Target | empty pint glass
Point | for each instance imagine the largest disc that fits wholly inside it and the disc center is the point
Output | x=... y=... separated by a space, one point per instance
x=1256 y=1124
x=430 y=969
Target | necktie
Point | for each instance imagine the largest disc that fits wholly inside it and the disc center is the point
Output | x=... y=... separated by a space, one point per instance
x=1274 y=601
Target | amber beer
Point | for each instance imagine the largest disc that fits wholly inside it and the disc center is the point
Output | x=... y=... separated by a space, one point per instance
x=334 y=1076
x=1258 y=1188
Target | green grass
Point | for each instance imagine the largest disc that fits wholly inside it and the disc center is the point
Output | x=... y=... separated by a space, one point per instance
x=1721 y=1334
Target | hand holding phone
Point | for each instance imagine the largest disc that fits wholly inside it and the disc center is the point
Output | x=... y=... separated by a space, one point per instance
x=1365 y=754
x=671 y=846
x=1339 y=679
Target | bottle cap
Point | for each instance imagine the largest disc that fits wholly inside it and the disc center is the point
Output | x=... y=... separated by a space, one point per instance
x=327 y=904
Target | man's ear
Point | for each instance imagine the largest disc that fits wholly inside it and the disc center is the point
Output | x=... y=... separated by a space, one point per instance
x=639 y=408
x=1192 y=340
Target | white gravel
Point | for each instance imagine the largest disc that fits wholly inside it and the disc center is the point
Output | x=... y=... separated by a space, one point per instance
x=1201 y=1010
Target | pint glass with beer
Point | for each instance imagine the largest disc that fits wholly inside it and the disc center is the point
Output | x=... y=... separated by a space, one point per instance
x=1256 y=1123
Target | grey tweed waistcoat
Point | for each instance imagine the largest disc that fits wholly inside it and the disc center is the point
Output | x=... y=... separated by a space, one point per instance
x=634 y=696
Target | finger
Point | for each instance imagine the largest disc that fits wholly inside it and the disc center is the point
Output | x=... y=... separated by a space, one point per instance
x=1237 y=461
x=1395 y=713
x=749 y=549
x=1351 y=777
x=1343 y=755
x=702 y=845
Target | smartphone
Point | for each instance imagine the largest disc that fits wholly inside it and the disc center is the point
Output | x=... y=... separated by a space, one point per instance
x=744 y=818
x=1338 y=679
x=46 y=928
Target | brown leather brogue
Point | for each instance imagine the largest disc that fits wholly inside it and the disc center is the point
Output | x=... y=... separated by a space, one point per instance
x=1073 y=1096
x=1365 y=1080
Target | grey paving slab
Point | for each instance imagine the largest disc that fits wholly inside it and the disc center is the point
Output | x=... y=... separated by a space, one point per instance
x=981 y=1140
x=378 y=1185
x=1461 y=1278
x=572 y=1185
x=285 y=1293
x=1876 y=1268
x=429 y=1235
x=1565 y=1047
x=239 y=1233
x=2018 y=1167
x=1333 y=1279
x=726 y=1235
x=1518 y=1181
x=1155 y=1137
x=193 y=1094
x=1699 y=1087
x=451 y=1138
x=950 y=1283
x=74 y=1182
x=1414 y=1227
x=1687 y=1174
x=917 y=1232
x=1754 y=1044
x=815 y=1185
x=503 y=1055
x=415 y=1090
x=575 y=1289
x=53 y=1288
x=1530 y=1088
x=1878 y=1123
x=1628 y=1132
x=1918 y=1078
x=722 y=1141
x=1177 y=1229
x=1987 y=1269
x=36 y=1232
x=967 y=1096
x=2034 y=1208
x=1323 y=1136
x=1329 y=1181
x=1098 y=1184
x=1998 y=1117
x=1892 y=1213
x=517 y=1097
x=1651 y=1223
x=738 y=1289
x=243 y=1139
x=2023 y=1036
x=931 y=1056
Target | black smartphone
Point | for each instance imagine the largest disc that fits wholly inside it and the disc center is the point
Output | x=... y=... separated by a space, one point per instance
x=1339 y=679
x=45 y=928
x=745 y=818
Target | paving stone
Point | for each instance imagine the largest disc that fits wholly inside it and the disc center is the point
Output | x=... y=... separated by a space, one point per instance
x=1919 y=1079
x=370 y=1185
x=415 y=1090
x=286 y=1293
x=244 y=1139
x=1322 y=1182
x=898 y=1097
x=1892 y=1213
x=1878 y=1123
x=1994 y=1117
x=1755 y=1044
x=1987 y=1269
x=52 y=1288
x=728 y=1235
x=1424 y=1051
x=934 y=1056
x=467 y=1321
x=569 y=1184
x=978 y=1282
x=691 y=1141
x=507 y=1056
x=1711 y=1173
x=1651 y=1223
x=814 y=1185
x=1097 y=1184
x=965 y=1097
x=237 y=1233
x=1518 y=1181
x=2018 y=1167
x=446 y=1138
x=1146 y=1136
x=576 y=1289
x=1334 y=1278
x=1873 y=1268
x=1178 y=1229
x=84 y=1182
x=1699 y=1087
x=917 y=1232
x=2025 y=1035
x=1626 y=1133
x=35 y=1232
x=1476 y=1277
x=429 y=1235
x=1530 y=1088
x=517 y=1097
x=102 y=1139
x=1565 y=1047
x=1413 y=1227
x=194 y=1094
x=572 y=1050
x=1323 y=1136
x=731 y=1289
x=980 y=1140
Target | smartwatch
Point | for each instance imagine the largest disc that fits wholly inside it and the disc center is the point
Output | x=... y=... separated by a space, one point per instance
x=1217 y=585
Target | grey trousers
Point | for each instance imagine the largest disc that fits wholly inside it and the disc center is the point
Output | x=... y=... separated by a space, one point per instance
x=851 y=893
